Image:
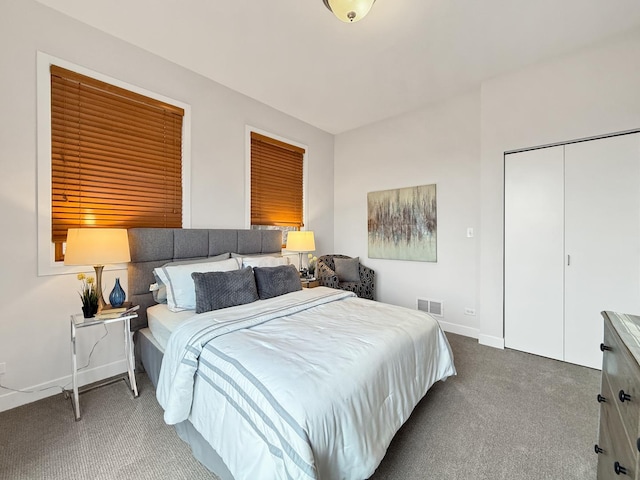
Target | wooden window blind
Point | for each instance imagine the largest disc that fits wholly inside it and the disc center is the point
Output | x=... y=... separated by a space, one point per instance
x=276 y=182
x=116 y=157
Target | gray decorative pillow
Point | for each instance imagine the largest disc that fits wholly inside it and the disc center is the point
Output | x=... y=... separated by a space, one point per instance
x=216 y=290
x=347 y=269
x=276 y=281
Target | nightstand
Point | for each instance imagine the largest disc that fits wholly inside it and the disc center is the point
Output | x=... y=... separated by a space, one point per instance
x=309 y=283
x=78 y=321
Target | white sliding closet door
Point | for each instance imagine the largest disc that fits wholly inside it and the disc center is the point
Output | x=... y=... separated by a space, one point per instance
x=534 y=252
x=602 y=232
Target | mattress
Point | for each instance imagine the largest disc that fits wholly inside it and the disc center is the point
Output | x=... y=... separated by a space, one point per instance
x=162 y=322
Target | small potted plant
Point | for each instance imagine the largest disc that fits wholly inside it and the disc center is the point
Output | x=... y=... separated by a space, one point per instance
x=311 y=265
x=88 y=295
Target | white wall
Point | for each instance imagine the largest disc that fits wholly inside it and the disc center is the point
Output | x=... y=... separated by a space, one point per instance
x=34 y=311
x=459 y=145
x=438 y=145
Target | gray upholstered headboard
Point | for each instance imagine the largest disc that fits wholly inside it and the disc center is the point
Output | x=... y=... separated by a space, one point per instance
x=153 y=247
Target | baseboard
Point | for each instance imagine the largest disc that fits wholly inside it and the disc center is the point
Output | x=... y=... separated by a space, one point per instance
x=15 y=399
x=459 y=329
x=490 y=341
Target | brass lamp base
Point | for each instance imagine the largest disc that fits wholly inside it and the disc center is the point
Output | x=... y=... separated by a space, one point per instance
x=101 y=302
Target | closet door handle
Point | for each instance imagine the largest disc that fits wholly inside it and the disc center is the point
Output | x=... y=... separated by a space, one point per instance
x=597 y=449
x=568 y=260
x=601 y=399
x=603 y=347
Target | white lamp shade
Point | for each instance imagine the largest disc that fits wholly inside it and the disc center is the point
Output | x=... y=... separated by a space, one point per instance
x=301 y=241
x=350 y=10
x=97 y=246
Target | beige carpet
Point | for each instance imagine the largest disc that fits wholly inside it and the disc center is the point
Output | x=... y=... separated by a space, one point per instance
x=507 y=415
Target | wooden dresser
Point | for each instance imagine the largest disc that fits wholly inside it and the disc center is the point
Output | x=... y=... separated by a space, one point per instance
x=618 y=446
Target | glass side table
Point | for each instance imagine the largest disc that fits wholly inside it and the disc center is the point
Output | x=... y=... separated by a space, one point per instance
x=78 y=321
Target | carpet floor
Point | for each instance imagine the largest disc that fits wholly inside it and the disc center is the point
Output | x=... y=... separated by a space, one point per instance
x=506 y=415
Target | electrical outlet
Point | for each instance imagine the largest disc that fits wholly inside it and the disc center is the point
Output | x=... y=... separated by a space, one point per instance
x=469 y=311
x=3 y=368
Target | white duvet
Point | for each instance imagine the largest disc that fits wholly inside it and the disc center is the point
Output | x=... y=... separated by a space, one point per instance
x=310 y=385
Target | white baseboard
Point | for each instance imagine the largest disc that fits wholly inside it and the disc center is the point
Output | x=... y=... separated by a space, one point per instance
x=15 y=399
x=490 y=341
x=459 y=329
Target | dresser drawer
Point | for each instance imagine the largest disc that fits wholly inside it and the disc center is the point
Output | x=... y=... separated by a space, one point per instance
x=623 y=377
x=617 y=450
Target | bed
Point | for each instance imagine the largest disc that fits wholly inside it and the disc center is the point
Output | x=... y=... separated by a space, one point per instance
x=281 y=382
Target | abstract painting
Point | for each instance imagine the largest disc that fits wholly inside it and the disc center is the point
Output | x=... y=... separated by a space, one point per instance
x=403 y=224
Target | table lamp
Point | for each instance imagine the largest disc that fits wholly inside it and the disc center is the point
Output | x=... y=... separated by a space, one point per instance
x=97 y=247
x=301 y=242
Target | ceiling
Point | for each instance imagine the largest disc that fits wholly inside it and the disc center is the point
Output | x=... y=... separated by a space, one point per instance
x=295 y=56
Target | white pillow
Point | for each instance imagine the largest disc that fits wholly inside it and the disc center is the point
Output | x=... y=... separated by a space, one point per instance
x=159 y=289
x=181 y=293
x=263 y=261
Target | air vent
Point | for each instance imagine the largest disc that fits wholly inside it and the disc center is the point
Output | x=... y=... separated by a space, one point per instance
x=434 y=307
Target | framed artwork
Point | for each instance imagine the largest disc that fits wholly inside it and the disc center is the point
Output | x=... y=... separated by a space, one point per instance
x=402 y=223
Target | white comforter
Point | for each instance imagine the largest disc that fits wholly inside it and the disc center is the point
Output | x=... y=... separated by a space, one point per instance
x=310 y=385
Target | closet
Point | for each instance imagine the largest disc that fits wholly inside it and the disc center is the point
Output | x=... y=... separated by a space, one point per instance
x=571 y=245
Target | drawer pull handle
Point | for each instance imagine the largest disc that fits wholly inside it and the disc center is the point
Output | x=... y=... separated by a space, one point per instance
x=624 y=397
x=638 y=444
x=598 y=449
x=603 y=347
x=601 y=399
x=619 y=469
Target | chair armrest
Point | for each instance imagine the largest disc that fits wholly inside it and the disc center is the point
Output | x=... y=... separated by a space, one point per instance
x=326 y=276
x=366 y=274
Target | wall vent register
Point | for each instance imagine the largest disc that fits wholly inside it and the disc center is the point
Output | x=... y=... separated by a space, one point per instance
x=433 y=307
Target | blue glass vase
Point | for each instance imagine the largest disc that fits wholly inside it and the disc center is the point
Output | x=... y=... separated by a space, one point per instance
x=117 y=295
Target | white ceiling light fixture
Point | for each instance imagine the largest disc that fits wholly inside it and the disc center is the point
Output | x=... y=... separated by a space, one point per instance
x=349 y=10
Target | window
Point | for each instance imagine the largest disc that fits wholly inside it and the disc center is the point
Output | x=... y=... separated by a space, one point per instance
x=277 y=175
x=131 y=183
x=116 y=157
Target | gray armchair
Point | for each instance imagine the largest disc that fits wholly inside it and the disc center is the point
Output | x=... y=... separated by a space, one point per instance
x=326 y=274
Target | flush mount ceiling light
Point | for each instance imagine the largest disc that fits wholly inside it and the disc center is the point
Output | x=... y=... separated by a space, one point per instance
x=349 y=10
